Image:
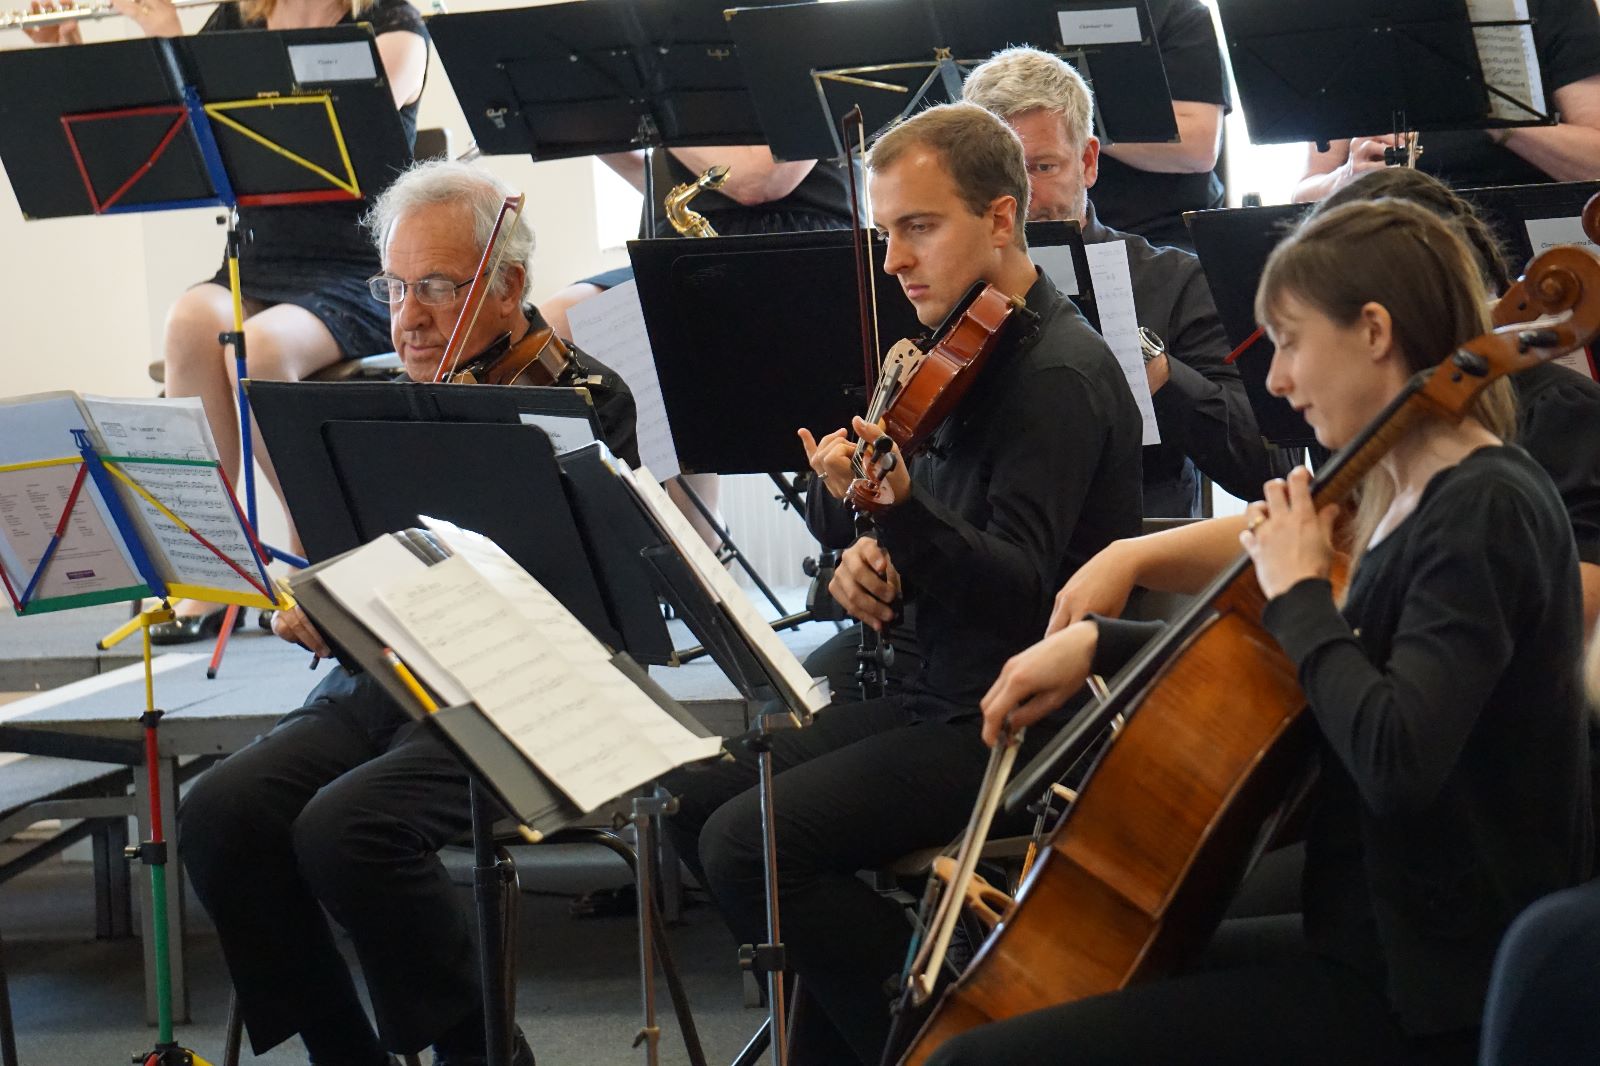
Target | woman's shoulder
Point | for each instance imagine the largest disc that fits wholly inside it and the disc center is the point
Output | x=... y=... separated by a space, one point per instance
x=389 y=16
x=1489 y=493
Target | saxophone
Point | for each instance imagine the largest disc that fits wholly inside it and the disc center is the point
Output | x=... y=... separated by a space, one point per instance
x=691 y=223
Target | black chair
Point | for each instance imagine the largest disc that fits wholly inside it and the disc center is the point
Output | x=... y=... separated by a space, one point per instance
x=1541 y=1005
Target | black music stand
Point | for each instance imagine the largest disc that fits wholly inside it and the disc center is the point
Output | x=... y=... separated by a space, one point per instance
x=1320 y=72
x=1509 y=208
x=179 y=122
x=297 y=417
x=809 y=64
x=740 y=370
x=501 y=774
x=596 y=76
x=1233 y=245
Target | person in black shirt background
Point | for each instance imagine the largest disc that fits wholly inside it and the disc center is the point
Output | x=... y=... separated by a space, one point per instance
x=1446 y=681
x=1035 y=470
x=1566 y=37
x=1200 y=403
x=1148 y=187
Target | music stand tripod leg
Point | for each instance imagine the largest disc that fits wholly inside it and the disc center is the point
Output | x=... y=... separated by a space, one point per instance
x=769 y=958
x=491 y=877
x=153 y=853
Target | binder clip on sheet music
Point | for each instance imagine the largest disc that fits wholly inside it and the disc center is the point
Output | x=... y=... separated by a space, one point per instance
x=107 y=500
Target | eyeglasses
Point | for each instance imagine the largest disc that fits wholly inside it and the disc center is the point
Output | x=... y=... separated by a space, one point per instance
x=430 y=290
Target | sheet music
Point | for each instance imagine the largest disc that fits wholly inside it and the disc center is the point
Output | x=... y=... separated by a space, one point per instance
x=1119 y=324
x=774 y=653
x=177 y=429
x=92 y=556
x=611 y=325
x=566 y=434
x=353 y=582
x=583 y=724
x=531 y=599
x=1509 y=60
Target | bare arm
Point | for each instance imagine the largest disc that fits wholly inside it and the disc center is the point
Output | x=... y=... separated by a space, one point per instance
x=754 y=177
x=1180 y=560
x=1343 y=162
x=1200 y=142
x=628 y=165
x=1569 y=150
x=405 y=63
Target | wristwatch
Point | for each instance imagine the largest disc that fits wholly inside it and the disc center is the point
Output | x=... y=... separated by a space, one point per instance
x=1152 y=345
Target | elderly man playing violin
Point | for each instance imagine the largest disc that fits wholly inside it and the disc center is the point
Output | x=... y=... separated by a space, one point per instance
x=343 y=805
x=1036 y=468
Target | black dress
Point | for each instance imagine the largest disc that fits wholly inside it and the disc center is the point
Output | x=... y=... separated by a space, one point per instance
x=317 y=256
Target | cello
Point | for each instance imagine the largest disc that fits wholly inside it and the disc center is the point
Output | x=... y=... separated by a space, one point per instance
x=1136 y=877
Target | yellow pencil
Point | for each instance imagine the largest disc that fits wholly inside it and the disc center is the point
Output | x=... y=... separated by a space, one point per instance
x=413 y=686
x=409 y=680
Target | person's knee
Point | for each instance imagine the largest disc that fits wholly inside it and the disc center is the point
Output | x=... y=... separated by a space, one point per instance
x=193 y=324
x=730 y=849
x=220 y=818
x=346 y=847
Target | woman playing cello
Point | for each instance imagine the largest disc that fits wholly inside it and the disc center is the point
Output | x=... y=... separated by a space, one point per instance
x=1453 y=787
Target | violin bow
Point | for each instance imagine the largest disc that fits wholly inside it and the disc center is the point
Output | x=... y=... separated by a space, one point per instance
x=488 y=265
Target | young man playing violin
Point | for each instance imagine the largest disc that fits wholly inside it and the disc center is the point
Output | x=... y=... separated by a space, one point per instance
x=344 y=804
x=1035 y=470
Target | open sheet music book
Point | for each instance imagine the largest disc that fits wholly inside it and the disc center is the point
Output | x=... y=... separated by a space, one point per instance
x=104 y=500
x=797 y=688
x=497 y=647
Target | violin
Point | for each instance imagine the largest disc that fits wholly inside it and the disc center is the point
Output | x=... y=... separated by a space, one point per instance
x=539 y=358
x=923 y=383
x=1214 y=739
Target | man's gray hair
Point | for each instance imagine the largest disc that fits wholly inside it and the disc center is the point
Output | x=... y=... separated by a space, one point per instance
x=1026 y=79
x=443 y=181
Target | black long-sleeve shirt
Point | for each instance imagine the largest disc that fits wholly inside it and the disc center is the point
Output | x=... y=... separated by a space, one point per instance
x=1036 y=471
x=1202 y=411
x=1454 y=786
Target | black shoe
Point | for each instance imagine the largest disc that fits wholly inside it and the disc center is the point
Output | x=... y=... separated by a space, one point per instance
x=521 y=1055
x=186 y=629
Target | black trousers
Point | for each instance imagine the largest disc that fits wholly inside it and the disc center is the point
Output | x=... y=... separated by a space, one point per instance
x=343 y=806
x=865 y=784
x=1257 y=997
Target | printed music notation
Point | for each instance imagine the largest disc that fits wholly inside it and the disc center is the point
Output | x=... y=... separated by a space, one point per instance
x=176 y=431
x=774 y=654
x=163 y=446
x=1119 y=324
x=589 y=729
x=1509 y=61
x=611 y=325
